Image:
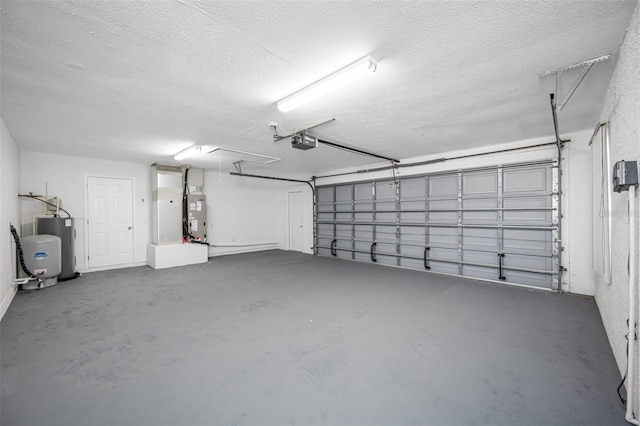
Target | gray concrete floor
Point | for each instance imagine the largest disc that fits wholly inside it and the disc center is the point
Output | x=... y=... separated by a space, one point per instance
x=286 y=338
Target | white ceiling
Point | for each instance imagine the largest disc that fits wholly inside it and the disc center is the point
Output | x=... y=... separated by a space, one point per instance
x=141 y=80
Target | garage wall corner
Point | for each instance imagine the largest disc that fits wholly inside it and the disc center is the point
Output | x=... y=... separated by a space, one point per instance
x=9 y=213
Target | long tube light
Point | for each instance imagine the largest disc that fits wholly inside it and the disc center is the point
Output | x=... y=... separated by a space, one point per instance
x=328 y=84
x=187 y=152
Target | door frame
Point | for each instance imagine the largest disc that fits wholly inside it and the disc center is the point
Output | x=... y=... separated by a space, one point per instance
x=85 y=227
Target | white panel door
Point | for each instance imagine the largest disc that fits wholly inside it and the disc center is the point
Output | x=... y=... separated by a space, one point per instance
x=296 y=222
x=110 y=221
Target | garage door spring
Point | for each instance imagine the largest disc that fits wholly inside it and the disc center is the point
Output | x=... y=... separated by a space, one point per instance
x=16 y=238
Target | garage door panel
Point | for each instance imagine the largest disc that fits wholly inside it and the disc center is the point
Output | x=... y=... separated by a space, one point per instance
x=363 y=192
x=382 y=249
x=539 y=263
x=344 y=254
x=387 y=260
x=411 y=235
x=439 y=253
x=412 y=251
x=343 y=244
x=443 y=217
x=527 y=180
x=363 y=250
x=417 y=218
x=526 y=278
x=480 y=272
x=480 y=239
x=445 y=268
x=322 y=217
x=412 y=263
x=343 y=193
x=363 y=257
x=483 y=257
x=324 y=241
x=385 y=210
x=443 y=237
x=385 y=191
x=533 y=242
x=325 y=195
x=386 y=234
x=343 y=241
x=443 y=186
x=479 y=183
x=412 y=217
x=343 y=217
x=480 y=217
x=323 y=251
x=364 y=232
x=363 y=217
x=325 y=230
x=343 y=231
x=363 y=207
x=533 y=217
x=413 y=188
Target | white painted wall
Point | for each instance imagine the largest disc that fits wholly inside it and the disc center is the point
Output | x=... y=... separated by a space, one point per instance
x=248 y=214
x=65 y=177
x=577 y=257
x=243 y=214
x=9 y=213
x=622 y=111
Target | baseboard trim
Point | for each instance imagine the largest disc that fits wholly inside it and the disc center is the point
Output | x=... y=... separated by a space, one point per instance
x=108 y=268
x=216 y=251
x=6 y=301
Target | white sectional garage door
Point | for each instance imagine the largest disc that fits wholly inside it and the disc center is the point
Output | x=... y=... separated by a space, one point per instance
x=497 y=223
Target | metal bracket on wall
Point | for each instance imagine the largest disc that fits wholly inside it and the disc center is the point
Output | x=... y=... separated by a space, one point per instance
x=585 y=65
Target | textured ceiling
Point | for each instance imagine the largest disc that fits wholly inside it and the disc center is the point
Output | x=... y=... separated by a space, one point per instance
x=140 y=80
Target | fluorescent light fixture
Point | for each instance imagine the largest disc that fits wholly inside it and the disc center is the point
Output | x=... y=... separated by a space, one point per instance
x=328 y=84
x=187 y=152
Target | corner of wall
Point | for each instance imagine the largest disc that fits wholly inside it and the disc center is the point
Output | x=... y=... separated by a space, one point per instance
x=10 y=172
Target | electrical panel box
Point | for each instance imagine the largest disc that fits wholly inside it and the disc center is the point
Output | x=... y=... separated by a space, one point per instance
x=625 y=174
x=197 y=217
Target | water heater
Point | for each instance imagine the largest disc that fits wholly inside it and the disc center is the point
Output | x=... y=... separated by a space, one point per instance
x=62 y=227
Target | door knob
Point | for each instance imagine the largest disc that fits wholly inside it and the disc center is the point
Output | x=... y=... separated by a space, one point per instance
x=129 y=228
